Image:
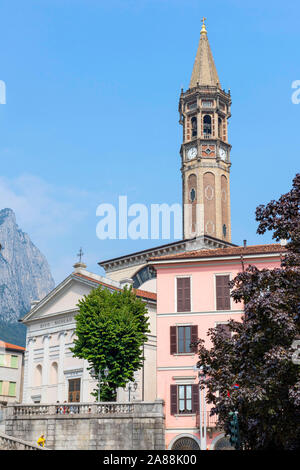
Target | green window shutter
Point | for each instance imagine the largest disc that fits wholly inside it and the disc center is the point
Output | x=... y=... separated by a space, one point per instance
x=1 y=387
x=14 y=362
x=1 y=359
x=12 y=389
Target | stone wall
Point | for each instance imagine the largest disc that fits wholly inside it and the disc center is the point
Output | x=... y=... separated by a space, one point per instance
x=104 y=426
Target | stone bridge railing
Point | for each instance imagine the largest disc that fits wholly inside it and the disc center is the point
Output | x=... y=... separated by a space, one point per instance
x=11 y=443
x=99 y=409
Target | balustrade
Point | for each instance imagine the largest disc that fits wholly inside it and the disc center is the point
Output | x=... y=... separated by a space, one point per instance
x=103 y=408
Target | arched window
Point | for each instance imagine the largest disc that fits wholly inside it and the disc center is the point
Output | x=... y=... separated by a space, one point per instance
x=194 y=126
x=223 y=444
x=207 y=125
x=53 y=373
x=143 y=275
x=38 y=376
x=185 y=443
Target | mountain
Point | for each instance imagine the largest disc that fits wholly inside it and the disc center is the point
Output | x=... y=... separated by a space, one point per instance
x=24 y=277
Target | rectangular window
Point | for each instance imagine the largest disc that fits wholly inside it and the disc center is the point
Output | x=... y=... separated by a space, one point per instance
x=183 y=294
x=225 y=328
x=184 y=339
x=192 y=105
x=223 y=292
x=181 y=338
x=14 y=362
x=207 y=104
x=74 y=390
x=184 y=399
x=12 y=389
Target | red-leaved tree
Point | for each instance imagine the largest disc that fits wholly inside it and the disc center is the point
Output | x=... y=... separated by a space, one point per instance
x=259 y=354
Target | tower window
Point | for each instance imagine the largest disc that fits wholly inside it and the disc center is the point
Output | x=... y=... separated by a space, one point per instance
x=220 y=122
x=207 y=125
x=192 y=105
x=224 y=230
x=207 y=104
x=193 y=194
x=194 y=126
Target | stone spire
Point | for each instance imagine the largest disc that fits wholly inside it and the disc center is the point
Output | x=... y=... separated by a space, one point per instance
x=204 y=71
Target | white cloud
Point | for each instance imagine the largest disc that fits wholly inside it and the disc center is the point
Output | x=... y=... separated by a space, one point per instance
x=42 y=209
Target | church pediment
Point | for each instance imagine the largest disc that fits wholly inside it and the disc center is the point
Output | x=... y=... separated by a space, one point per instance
x=64 y=298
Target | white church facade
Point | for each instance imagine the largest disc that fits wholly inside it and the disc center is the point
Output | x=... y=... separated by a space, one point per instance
x=52 y=374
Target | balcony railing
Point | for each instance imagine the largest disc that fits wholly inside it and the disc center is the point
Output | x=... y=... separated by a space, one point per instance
x=211 y=421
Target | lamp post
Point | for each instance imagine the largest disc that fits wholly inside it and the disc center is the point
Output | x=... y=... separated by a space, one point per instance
x=131 y=387
x=106 y=372
x=202 y=409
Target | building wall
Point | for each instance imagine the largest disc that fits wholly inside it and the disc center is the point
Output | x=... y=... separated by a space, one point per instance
x=49 y=363
x=180 y=368
x=11 y=374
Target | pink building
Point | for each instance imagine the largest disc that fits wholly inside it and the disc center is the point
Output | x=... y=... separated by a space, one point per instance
x=192 y=296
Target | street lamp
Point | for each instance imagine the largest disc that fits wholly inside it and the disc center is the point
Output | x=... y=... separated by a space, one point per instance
x=131 y=387
x=106 y=372
x=202 y=408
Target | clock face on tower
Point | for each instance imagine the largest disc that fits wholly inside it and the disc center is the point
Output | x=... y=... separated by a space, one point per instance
x=192 y=153
x=222 y=153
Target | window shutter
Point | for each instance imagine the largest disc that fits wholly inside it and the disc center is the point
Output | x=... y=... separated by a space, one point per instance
x=14 y=362
x=183 y=294
x=12 y=389
x=1 y=382
x=180 y=295
x=173 y=340
x=223 y=292
x=173 y=399
x=187 y=295
x=194 y=337
x=195 y=398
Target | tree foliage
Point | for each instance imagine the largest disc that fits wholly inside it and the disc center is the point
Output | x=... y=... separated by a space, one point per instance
x=258 y=355
x=110 y=331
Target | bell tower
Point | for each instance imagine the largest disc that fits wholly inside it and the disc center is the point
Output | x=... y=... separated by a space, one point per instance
x=204 y=110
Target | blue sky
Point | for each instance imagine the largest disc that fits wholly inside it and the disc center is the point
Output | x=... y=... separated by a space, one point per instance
x=92 y=111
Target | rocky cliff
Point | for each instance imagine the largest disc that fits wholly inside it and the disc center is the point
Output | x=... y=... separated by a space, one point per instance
x=24 y=276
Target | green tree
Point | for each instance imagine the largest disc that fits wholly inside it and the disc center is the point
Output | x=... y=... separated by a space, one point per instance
x=110 y=331
x=253 y=371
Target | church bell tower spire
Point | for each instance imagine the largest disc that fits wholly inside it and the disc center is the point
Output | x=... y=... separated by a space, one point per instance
x=205 y=152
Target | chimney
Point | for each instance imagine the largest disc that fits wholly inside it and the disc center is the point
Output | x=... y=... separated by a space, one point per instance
x=245 y=243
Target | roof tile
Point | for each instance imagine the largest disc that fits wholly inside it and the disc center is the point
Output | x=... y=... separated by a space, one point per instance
x=230 y=251
x=139 y=292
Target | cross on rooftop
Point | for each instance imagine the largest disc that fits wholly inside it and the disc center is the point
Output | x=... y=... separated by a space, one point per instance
x=80 y=255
